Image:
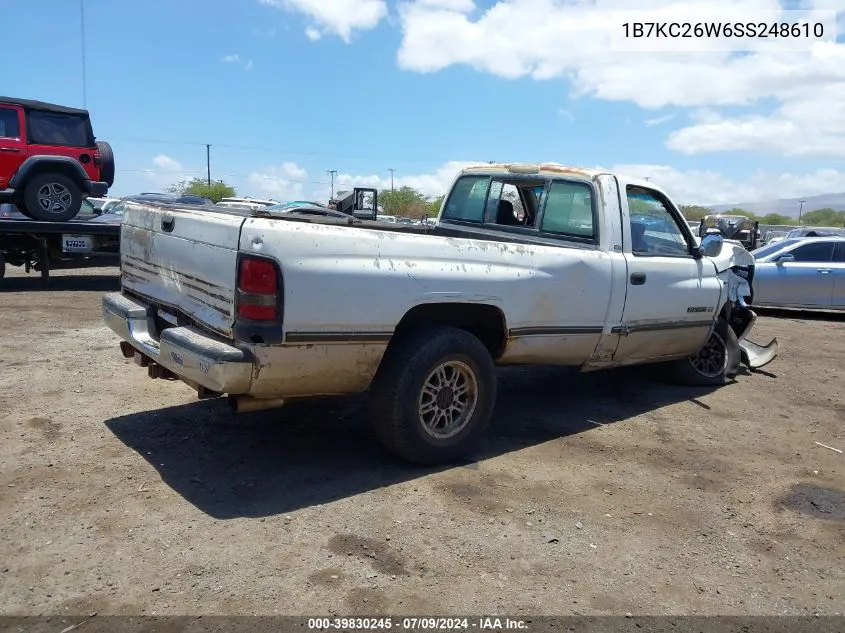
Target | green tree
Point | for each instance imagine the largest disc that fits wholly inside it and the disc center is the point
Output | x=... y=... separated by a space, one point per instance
x=433 y=206
x=824 y=217
x=776 y=219
x=215 y=192
x=694 y=212
x=738 y=211
x=405 y=202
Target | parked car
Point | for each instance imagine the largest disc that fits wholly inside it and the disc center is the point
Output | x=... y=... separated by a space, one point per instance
x=771 y=237
x=265 y=309
x=50 y=160
x=737 y=228
x=806 y=273
x=245 y=203
x=815 y=231
x=114 y=213
x=102 y=205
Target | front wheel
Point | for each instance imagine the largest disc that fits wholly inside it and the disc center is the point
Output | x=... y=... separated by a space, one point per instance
x=715 y=363
x=434 y=394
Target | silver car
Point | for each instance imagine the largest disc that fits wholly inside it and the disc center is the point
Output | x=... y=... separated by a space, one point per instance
x=806 y=273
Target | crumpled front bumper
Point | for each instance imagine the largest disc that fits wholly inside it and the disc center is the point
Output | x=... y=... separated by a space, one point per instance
x=754 y=355
x=189 y=353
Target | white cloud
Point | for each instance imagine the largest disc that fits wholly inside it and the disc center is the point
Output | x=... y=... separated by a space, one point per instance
x=565 y=114
x=312 y=34
x=165 y=163
x=431 y=184
x=164 y=172
x=707 y=187
x=246 y=64
x=659 y=119
x=547 y=39
x=283 y=182
x=693 y=186
x=339 y=17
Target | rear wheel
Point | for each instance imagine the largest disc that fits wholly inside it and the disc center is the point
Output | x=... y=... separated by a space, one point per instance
x=715 y=363
x=434 y=394
x=52 y=197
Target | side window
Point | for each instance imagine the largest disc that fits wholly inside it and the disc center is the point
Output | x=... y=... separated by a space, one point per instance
x=51 y=128
x=10 y=126
x=654 y=230
x=813 y=252
x=840 y=253
x=569 y=210
x=466 y=201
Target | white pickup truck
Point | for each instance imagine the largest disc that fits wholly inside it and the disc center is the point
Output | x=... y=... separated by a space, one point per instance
x=540 y=264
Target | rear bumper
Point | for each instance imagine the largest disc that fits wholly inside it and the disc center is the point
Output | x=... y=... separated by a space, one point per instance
x=187 y=352
x=97 y=189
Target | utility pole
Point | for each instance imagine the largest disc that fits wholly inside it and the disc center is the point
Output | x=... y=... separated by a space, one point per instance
x=332 y=173
x=82 y=43
x=800 y=209
x=391 y=170
x=208 y=162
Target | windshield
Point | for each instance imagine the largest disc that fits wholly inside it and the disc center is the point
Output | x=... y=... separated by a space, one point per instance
x=773 y=248
x=115 y=209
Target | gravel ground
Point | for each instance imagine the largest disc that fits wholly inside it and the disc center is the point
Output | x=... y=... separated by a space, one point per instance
x=601 y=493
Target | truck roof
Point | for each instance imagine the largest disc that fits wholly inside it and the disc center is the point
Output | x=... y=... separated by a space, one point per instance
x=545 y=169
x=556 y=169
x=30 y=104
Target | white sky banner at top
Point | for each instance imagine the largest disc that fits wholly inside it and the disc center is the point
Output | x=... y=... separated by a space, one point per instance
x=697 y=28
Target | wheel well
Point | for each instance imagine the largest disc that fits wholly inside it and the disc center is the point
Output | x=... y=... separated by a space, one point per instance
x=485 y=322
x=738 y=318
x=53 y=167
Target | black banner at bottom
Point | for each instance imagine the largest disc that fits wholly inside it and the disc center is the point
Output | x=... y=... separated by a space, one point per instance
x=481 y=623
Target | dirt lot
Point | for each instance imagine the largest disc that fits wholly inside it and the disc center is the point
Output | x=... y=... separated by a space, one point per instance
x=599 y=493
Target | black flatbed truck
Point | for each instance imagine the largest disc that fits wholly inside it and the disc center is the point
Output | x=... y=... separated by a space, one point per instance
x=45 y=246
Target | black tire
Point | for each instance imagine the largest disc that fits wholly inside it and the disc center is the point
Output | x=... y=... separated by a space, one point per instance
x=397 y=391
x=2 y=266
x=107 y=168
x=56 y=189
x=22 y=210
x=721 y=351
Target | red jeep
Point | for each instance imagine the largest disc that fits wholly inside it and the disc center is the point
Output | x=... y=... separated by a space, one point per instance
x=50 y=160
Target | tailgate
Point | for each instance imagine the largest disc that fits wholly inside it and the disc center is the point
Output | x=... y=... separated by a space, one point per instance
x=183 y=259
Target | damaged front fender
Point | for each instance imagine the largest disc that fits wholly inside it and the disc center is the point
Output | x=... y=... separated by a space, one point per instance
x=735 y=267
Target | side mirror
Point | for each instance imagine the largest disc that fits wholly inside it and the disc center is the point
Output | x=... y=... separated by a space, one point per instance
x=786 y=257
x=711 y=245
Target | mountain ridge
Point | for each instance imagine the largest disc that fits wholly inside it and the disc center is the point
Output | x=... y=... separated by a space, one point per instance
x=787 y=206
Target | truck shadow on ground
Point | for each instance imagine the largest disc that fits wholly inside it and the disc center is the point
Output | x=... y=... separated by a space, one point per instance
x=313 y=452
x=66 y=283
x=801 y=315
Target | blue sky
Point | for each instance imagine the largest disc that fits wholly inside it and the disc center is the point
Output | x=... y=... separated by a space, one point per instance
x=287 y=89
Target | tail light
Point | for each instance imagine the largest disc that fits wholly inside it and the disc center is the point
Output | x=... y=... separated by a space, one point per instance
x=258 y=289
x=98 y=160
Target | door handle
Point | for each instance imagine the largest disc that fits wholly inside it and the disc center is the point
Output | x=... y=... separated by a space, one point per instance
x=824 y=271
x=10 y=149
x=167 y=224
x=637 y=279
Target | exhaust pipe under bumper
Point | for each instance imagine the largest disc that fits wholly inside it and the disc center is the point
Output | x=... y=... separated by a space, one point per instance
x=243 y=404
